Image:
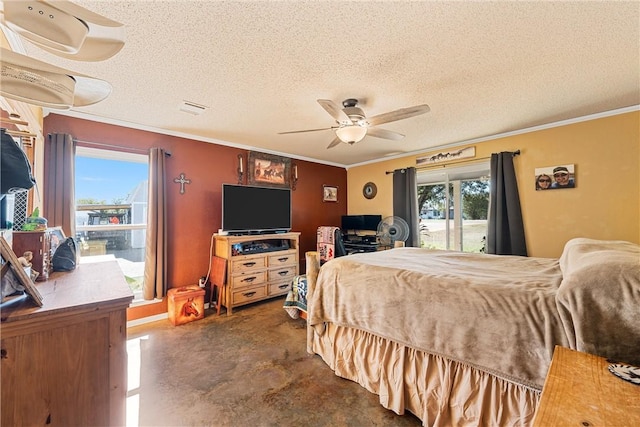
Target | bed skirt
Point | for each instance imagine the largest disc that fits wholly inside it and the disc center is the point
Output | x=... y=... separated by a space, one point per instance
x=439 y=391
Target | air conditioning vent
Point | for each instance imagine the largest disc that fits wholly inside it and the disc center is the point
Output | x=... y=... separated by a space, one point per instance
x=192 y=108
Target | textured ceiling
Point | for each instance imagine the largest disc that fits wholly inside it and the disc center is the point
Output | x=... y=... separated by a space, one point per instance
x=483 y=68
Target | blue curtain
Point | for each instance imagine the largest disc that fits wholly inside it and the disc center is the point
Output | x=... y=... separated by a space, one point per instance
x=505 y=234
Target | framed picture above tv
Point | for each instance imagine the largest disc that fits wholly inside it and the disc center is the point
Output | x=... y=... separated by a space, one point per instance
x=268 y=170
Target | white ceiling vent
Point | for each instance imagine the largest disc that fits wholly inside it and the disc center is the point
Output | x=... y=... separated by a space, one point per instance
x=192 y=108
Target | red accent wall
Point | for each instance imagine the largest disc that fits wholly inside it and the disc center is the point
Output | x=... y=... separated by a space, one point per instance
x=194 y=216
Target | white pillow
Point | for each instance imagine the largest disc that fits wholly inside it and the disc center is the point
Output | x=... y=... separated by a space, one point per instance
x=581 y=254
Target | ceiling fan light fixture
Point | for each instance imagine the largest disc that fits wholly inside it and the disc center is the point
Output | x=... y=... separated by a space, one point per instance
x=64 y=28
x=351 y=133
x=45 y=25
x=35 y=82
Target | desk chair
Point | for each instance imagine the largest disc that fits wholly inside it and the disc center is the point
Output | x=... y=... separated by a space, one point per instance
x=218 y=278
x=330 y=243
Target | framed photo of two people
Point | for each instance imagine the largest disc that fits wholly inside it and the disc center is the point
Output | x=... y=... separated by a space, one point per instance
x=555 y=177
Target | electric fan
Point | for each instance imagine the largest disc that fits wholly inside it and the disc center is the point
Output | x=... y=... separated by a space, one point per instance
x=392 y=229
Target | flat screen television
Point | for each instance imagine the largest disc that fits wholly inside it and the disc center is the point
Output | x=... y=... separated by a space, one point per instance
x=250 y=209
x=371 y=222
x=360 y=222
x=352 y=223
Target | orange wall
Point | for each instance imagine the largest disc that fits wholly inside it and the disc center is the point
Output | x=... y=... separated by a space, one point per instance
x=604 y=205
x=194 y=216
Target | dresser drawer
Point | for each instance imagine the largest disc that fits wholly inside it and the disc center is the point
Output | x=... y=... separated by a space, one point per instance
x=279 y=288
x=242 y=296
x=282 y=273
x=282 y=259
x=256 y=274
x=247 y=264
x=251 y=278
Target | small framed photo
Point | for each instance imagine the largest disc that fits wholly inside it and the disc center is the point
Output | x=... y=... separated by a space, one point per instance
x=329 y=193
x=555 y=177
x=57 y=237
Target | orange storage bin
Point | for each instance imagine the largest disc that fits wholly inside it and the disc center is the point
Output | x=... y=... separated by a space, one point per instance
x=186 y=304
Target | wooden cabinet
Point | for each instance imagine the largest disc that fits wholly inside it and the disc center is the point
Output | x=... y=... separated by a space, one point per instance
x=258 y=266
x=39 y=243
x=65 y=363
x=580 y=391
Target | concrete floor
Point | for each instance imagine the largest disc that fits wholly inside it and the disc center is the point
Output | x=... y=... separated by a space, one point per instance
x=249 y=369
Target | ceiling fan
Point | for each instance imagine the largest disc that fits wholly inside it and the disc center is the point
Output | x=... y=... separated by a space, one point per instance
x=353 y=125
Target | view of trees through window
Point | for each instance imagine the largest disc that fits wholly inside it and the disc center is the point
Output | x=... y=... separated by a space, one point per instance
x=453 y=215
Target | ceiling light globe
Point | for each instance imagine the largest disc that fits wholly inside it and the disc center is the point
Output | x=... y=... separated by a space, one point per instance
x=351 y=133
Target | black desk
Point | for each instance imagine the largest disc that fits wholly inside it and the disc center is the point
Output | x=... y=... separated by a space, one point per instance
x=359 y=246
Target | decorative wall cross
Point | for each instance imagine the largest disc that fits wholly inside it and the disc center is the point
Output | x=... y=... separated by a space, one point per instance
x=182 y=180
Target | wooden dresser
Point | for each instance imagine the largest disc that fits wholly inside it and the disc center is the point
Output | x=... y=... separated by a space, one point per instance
x=65 y=363
x=258 y=266
x=580 y=391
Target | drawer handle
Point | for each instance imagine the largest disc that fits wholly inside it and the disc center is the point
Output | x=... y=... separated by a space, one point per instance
x=285 y=286
x=249 y=279
x=283 y=272
x=249 y=294
x=249 y=264
x=284 y=259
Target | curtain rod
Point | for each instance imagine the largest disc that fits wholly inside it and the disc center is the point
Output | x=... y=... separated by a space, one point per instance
x=515 y=153
x=129 y=149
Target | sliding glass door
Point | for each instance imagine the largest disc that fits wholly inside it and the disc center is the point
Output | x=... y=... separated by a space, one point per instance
x=453 y=205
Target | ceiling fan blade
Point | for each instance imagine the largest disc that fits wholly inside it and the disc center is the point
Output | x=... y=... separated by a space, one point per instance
x=306 y=130
x=403 y=113
x=384 y=134
x=333 y=109
x=335 y=142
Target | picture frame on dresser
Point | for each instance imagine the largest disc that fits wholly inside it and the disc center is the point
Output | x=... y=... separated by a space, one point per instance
x=16 y=269
x=57 y=237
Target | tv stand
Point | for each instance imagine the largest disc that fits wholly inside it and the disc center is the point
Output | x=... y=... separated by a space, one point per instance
x=255 y=232
x=259 y=266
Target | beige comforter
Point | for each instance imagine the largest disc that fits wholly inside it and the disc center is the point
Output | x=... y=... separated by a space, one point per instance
x=495 y=313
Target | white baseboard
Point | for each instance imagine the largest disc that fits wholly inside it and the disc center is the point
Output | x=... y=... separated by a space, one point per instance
x=148 y=319
x=154 y=318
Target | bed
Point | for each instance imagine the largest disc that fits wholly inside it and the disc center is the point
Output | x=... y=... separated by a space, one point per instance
x=466 y=339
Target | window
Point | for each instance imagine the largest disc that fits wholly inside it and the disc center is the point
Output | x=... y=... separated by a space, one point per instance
x=453 y=205
x=111 y=209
